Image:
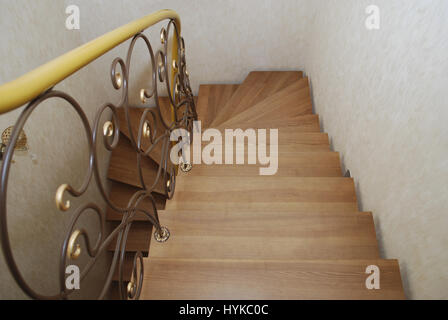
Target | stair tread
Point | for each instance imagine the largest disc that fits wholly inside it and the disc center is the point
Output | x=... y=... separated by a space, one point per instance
x=268 y=235
x=212 y=98
x=294 y=100
x=256 y=87
x=231 y=205
x=305 y=123
x=253 y=170
x=285 y=137
x=290 y=164
x=288 y=141
x=267 y=280
x=264 y=189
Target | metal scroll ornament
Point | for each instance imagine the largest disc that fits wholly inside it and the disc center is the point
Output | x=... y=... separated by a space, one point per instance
x=107 y=134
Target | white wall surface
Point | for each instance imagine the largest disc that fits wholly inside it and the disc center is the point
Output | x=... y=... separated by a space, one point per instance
x=32 y=33
x=225 y=39
x=382 y=96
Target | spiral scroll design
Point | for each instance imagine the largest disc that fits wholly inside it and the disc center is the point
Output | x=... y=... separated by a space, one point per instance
x=108 y=134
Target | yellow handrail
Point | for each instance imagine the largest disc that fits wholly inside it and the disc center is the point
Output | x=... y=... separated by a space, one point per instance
x=24 y=89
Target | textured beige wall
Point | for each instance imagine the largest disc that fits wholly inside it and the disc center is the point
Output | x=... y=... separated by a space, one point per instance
x=32 y=33
x=382 y=96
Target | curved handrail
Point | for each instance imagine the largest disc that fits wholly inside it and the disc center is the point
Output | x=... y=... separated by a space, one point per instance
x=29 y=86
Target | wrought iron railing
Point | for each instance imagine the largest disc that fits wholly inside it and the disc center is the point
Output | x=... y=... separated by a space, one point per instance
x=171 y=74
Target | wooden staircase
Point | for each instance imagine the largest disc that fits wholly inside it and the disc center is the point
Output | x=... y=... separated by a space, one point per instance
x=238 y=235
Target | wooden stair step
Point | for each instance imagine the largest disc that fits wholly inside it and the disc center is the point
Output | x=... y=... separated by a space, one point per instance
x=299 y=164
x=285 y=137
x=181 y=279
x=257 y=86
x=287 y=142
x=254 y=170
x=267 y=236
x=121 y=193
x=275 y=81
x=212 y=98
x=306 y=123
x=123 y=167
x=292 y=101
x=139 y=238
x=230 y=205
x=300 y=122
x=264 y=189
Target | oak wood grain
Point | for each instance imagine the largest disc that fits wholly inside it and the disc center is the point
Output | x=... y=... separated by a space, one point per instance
x=268 y=235
x=224 y=279
x=256 y=87
x=123 y=167
x=294 y=100
x=291 y=164
x=120 y=195
x=211 y=99
x=139 y=238
x=264 y=189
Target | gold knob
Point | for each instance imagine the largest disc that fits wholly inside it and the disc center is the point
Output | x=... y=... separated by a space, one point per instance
x=118 y=80
x=163 y=36
x=161 y=72
x=131 y=289
x=146 y=130
x=60 y=196
x=108 y=129
x=143 y=96
x=74 y=249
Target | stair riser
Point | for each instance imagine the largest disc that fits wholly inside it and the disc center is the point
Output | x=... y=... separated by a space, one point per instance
x=123 y=167
x=139 y=238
